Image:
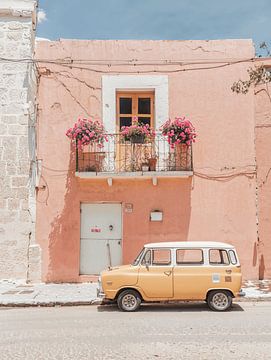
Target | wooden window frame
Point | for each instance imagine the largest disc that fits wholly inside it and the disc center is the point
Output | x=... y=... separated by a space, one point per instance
x=134 y=95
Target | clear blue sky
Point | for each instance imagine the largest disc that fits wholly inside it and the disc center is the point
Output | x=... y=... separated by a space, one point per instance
x=156 y=19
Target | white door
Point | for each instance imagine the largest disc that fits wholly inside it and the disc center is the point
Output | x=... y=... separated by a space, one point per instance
x=101 y=235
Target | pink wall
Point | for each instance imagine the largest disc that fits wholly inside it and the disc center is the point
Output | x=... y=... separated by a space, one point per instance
x=263 y=153
x=218 y=203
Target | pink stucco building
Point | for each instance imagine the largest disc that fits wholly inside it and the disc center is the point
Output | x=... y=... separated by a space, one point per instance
x=89 y=217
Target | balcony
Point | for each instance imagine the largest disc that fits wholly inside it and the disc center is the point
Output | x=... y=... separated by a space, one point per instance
x=124 y=159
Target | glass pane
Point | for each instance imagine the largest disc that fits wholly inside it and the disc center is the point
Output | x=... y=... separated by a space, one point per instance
x=189 y=256
x=125 y=105
x=125 y=121
x=218 y=257
x=144 y=105
x=147 y=258
x=233 y=257
x=161 y=257
x=224 y=257
x=144 y=120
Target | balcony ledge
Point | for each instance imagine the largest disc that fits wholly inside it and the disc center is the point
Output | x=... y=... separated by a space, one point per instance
x=135 y=174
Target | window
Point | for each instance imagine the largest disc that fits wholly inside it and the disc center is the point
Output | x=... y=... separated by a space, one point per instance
x=157 y=257
x=218 y=257
x=161 y=257
x=189 y=257
x=146 y=258
x=135 y=104
x=232 y=257
x=137 y=259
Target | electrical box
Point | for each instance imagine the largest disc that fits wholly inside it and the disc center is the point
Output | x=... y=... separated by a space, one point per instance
x=156 y=216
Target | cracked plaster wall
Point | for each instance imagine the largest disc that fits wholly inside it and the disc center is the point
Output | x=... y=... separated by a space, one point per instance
x=208 y=208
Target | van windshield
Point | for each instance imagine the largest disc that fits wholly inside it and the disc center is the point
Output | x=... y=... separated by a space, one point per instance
x=137 y=259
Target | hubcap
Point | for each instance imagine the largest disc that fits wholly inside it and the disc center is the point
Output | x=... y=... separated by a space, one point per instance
x=129 y=302
x=220 y=301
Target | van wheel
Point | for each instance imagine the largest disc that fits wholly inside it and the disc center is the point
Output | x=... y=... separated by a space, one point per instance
x=219 y=300
x=129 y=300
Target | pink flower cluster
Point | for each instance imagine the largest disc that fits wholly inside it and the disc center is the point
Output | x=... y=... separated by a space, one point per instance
x=137 y=129
x=87 y=131
x=179 y=131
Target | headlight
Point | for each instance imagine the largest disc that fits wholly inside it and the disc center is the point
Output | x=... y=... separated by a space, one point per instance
x=100 y=283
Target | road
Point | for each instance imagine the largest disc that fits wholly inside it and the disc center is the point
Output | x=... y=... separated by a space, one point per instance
x=184 y=331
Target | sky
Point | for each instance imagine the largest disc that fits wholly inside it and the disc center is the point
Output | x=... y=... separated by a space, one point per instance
x=155 y=19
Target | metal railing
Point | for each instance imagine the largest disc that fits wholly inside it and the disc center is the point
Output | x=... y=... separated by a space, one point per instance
x=120 y=156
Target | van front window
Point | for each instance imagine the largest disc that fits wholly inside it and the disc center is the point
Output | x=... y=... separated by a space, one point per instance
x=137 y=259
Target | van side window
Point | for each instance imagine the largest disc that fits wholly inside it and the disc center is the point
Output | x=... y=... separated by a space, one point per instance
x=161 y=257
x=189 y=257
x=232 y=257
x=218 y=257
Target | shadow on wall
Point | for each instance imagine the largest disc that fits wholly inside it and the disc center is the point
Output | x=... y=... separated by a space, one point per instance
x=64 y=238
x=261 y=268
x=62 y=244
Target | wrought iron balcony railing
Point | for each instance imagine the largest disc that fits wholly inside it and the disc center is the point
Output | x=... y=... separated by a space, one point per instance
x=119 y=156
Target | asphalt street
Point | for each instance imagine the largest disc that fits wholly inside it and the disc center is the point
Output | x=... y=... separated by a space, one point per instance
x=183 y=331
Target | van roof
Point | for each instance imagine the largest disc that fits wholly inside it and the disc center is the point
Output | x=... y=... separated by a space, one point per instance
x=190 y=244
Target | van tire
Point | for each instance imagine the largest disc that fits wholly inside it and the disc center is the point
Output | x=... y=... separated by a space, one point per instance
x=129 y=300
x=219 y=300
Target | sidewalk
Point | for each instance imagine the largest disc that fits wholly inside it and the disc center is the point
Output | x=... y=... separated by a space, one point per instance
x=15 y=293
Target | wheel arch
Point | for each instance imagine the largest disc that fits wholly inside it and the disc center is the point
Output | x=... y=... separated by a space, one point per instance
x=217 y=289
x=128 y=288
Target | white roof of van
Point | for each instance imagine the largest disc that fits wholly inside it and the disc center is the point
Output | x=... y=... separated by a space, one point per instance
x=190 y=244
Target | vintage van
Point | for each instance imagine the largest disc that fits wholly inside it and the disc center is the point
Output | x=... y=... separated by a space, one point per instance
x=175 y=271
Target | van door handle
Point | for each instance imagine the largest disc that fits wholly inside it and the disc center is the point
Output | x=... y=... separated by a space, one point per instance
x=167 y=272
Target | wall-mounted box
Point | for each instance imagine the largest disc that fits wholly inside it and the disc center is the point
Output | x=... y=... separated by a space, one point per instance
x=156 y=216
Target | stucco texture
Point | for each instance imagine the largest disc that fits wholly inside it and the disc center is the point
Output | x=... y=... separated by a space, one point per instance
x=217 y=203
x=263 y=154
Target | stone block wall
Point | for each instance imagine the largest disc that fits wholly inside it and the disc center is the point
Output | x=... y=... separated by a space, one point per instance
x=20 y=256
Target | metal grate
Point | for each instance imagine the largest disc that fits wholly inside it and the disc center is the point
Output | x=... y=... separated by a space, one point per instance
x=120 y=156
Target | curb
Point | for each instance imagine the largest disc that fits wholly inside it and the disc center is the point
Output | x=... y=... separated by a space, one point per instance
x=99 y=302
x=51 y=303
x=253 y=299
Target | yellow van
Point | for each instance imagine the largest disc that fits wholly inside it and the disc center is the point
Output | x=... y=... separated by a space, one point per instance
x=175 y=271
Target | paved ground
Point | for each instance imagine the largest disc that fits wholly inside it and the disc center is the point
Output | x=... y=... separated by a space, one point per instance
x=16 y=293
x=187 y=331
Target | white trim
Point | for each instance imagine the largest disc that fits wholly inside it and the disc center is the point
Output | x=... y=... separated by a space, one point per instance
x=113 y=83
x=191 y=245
x=133 y=174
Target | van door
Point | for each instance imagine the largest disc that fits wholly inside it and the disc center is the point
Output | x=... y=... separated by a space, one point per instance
x=190 y=276
x=155 y=274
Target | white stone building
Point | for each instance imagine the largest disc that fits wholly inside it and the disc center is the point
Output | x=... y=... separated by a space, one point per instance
x=19 y=255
